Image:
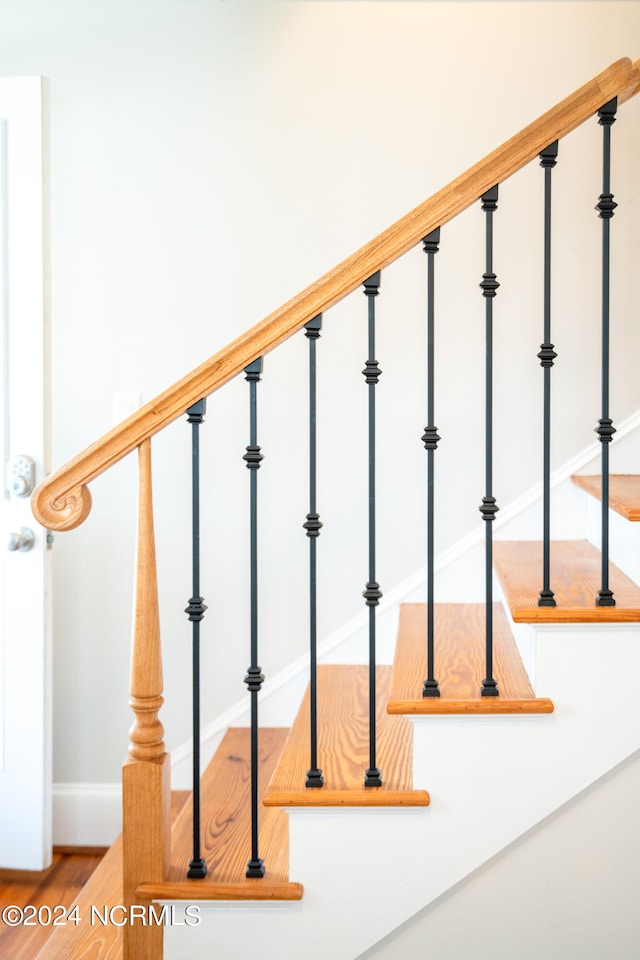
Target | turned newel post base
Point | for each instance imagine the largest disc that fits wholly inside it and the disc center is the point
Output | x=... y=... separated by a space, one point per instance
x=146 y=796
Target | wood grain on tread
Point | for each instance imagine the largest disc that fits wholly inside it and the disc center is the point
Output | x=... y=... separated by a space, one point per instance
x=343 y=747
x=575 y=580
x=459 y=652
x=624 y=492
x=226 y=830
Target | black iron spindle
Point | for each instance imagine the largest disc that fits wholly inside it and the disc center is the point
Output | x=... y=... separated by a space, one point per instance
x=313 y=527
x=605 y=430
x=195 y=611
x=489 y=507
x=430 y=439
x=546 y=356
x=372 y=593
x=254 y=678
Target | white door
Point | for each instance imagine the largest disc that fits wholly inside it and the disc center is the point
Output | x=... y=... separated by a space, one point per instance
x=25 y=652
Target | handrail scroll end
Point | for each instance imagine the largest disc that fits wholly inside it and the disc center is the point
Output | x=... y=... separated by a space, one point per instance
x=63 y=512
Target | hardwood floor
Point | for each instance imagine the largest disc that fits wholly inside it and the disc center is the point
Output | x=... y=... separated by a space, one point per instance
x=58 y=885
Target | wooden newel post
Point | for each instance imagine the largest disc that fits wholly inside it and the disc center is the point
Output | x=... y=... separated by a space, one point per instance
x=146 y=788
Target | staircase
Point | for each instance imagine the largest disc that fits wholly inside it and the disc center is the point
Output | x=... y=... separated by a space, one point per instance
x=464 y=773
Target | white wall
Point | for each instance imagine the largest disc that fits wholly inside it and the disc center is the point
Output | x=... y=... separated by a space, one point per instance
x=564 y=891
x=208 y=160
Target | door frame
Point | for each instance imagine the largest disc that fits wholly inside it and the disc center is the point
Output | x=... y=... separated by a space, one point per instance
x=26 y=629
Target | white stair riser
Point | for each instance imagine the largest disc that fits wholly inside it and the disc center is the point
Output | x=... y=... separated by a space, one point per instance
x=491 y=780
x=624 y=538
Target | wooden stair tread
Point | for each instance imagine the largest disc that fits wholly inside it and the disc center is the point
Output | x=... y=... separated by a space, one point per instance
x=459 y=662
x=226 y=830
x=88 y=941
x=575 y=580
x=343 y=747
x=624 y=492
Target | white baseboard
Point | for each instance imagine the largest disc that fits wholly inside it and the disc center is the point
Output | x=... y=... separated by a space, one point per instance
x=86 y=814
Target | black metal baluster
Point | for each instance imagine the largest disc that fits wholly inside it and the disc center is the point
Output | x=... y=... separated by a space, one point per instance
x=489 y=508
x=254 y=678
x=546 y=356
x=606 y=430
x=313 y=527
x=430 y=439
x=372 y=593
x=195 y=612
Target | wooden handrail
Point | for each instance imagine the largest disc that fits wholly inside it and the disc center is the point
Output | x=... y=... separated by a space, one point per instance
x=62 y=501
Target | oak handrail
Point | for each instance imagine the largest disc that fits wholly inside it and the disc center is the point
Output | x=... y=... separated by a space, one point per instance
x=62 y=501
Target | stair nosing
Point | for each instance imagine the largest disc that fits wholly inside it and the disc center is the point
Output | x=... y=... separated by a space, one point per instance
x=585 y=560
x=459 y=647
x=344 y=787
x=488 y=706
x=225 y=806
x=366 y=797
x=249 y=889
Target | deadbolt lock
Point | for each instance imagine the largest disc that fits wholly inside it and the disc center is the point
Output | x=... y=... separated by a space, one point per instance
x=22 y=475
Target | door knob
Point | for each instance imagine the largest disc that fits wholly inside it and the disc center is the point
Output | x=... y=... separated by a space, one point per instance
x=22 y=541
